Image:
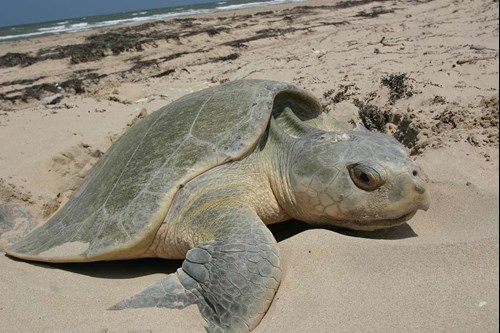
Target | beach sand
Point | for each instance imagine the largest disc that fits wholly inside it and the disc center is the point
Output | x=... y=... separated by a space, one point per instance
x=426 y=71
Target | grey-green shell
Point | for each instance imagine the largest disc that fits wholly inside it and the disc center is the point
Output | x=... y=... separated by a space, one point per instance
x=126 y=196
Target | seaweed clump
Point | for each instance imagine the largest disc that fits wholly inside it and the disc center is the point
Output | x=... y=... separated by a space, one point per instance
x=13 y=59
x=398 y=86
x=402 y=127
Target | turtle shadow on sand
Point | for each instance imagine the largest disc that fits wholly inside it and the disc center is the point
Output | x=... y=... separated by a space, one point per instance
x=117 y=269
x=127 y=269
x=285 y=230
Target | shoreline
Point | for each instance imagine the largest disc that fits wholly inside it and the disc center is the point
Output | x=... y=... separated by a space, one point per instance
x=82 y=26
x=86 y=23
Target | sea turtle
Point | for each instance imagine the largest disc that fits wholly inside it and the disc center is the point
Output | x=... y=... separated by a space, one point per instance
x=200 y=178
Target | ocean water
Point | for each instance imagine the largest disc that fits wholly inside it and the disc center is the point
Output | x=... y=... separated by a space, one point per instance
x=85 y=23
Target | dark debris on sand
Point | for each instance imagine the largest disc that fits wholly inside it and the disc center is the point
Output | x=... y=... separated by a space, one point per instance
x=375 y=12
x=16 y=59
x=385 y=120
x=74 y=85
x=137 y=38
x=398 y=85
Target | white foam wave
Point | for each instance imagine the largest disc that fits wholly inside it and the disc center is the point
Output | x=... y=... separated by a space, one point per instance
x=254 y=4
x=79 y=25
x=55 y=29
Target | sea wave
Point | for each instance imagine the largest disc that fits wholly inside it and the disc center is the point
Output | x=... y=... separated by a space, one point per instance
x=255 y=4
x=58 y=28
x=79 y=25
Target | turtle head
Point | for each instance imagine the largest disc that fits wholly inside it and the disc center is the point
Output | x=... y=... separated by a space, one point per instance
x=354 y=179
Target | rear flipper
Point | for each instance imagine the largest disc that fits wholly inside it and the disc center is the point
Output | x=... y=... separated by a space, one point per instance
x=15 y=223
x=232 y=283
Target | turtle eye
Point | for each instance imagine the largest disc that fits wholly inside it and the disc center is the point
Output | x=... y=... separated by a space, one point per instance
x=366 y=176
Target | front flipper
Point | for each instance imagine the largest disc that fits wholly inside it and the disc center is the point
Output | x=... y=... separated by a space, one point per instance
x=232 y=279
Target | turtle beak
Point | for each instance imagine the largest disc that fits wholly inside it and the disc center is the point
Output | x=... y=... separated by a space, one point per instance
x=423 y=200
x=424 y=203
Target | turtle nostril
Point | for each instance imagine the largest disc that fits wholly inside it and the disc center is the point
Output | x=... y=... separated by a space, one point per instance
x=420 y=188
x=415 y=172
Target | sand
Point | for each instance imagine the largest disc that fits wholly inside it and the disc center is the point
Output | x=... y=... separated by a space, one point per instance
x=426 y=71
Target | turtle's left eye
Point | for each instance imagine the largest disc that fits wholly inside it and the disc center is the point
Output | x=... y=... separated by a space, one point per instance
x=367 y=176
